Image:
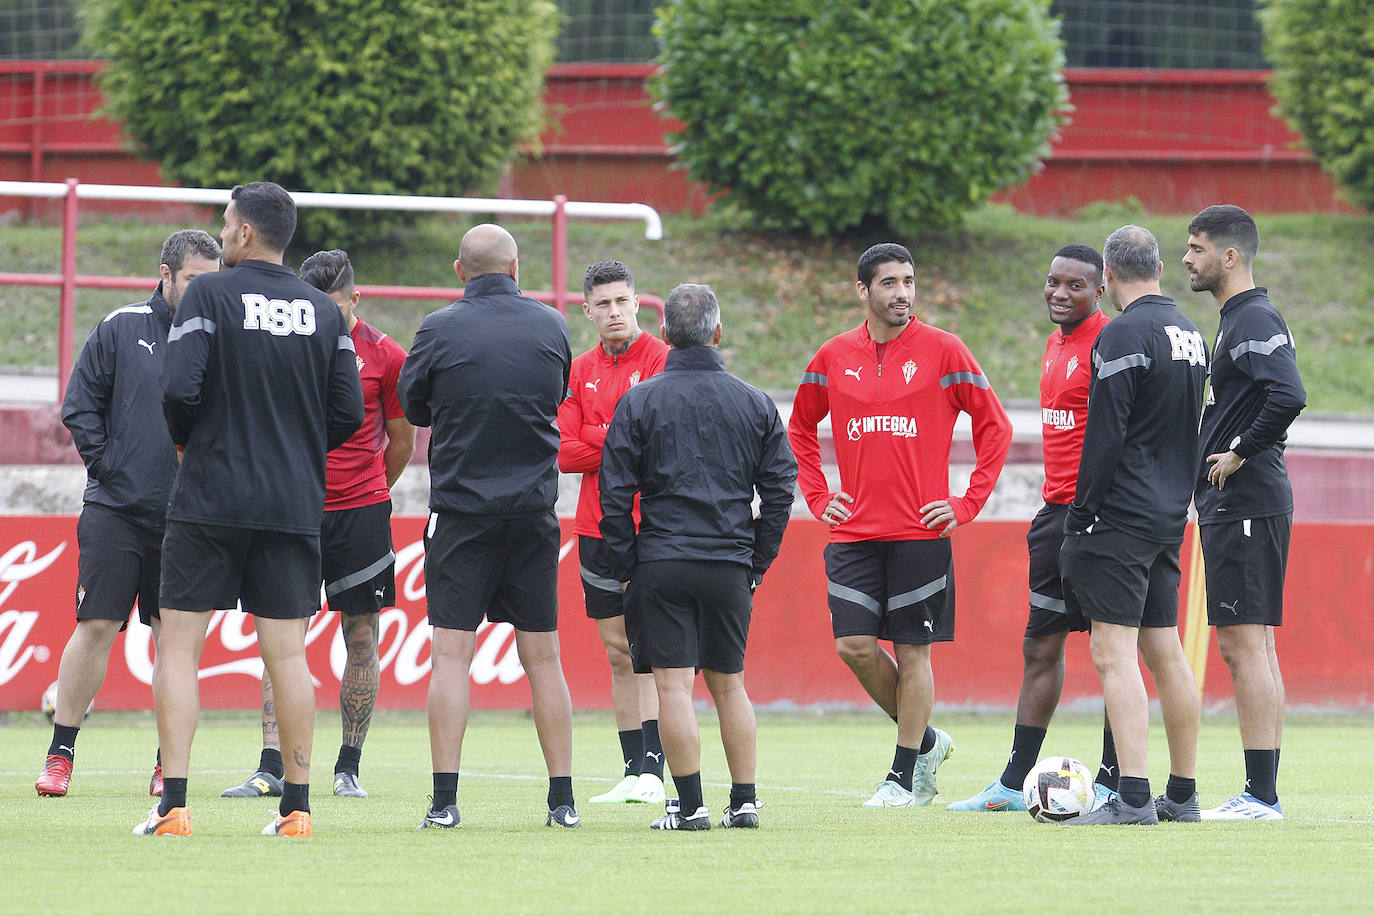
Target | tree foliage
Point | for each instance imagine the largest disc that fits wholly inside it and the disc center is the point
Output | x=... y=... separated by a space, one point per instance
x=365 y=96
x=820 y=117
x=1323 y=57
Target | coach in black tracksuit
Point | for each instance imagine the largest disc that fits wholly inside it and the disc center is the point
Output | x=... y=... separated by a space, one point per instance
x=1244 y=500
x=113 y=408
x=261 y=380
x=1120 y=556
x=487 y=373
x=696 y=444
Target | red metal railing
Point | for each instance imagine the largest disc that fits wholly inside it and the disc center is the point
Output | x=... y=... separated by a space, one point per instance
x=68 y=280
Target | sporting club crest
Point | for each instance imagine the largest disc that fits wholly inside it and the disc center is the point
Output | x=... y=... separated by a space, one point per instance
x=1073 y=364
x=359 y=360
x=908 y=370
x=634 y=378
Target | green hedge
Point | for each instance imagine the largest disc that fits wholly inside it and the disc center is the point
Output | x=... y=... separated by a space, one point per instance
x=1323 y=56
x=368 y=96
x=823 y=117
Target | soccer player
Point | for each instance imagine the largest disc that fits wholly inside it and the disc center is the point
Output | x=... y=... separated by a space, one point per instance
x=696 y=443
x=1243 y=497
x=487 y=373
x=623 y=357
x=1073 y=293
x=1119 y=561
x=260 y=383
x=113 y=409
x=359 y=566
x=893 y=387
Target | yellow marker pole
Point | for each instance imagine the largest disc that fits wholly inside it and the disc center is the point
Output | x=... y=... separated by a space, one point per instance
x=1197 y=636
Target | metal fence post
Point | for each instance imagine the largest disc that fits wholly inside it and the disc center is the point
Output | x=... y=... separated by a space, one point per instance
x=66 y=315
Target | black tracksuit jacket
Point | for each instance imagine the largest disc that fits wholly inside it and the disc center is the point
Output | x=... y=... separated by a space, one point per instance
x=113 y=409
x=695 y=443
x=261 y=381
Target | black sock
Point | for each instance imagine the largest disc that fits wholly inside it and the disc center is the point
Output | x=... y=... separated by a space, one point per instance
x=1026 y=741
x=270 y=763
x=64 y=740
x=1108 y=771
x=893 y=718
x=927 y=740
x=653 y=749
x=560 y=792
x=1134 y=790
x=295 y=796
x=1276 y=761
x=688 y=792
x=903 y=765
x=173 y=794
x=632 y=750
x=1260 y=776
x=349 y=758
x=742 y=793
x=159 y=756
x=1179 y=790
x=445 y=791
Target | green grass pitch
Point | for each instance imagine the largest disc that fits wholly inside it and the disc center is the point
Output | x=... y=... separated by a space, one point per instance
x=817 y=851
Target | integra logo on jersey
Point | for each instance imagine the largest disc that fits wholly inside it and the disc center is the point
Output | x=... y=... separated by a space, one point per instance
x=900 y=427
x=1056 y=419
x=278 y=316
x=1187 y=345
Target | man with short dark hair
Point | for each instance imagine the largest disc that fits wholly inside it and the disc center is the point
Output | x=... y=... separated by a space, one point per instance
x=622 y=357
x=696 y=444
x=260 y=383
x=358 y=563
x=487 y=373
x=113 y=410
x=1073 y=291
x=1243 y=496
x=893 y=387
x=1119 y=561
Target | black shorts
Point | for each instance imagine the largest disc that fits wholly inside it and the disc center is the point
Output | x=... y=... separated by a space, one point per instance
x=119 y=560
x=688 y=614
x=356 y=560
x=274 y=574
x=601 y=592
x=504 y=569
x=897 y=590
x=1049 y=615
x=1115 y=577
x=1246 y=561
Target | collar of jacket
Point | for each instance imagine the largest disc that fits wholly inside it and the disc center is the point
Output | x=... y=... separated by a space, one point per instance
x=633 y=350
x=491 y=285
x=160 y=307
x=694 y=358
x=1149 y=299
x=1243 y=297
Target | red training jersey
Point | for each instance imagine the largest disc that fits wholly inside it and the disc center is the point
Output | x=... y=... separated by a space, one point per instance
x=1064 y=405
x=893 y=423
x=595 y=385
x=355 y=474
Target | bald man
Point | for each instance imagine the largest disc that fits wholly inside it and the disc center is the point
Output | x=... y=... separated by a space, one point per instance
x=487 y=373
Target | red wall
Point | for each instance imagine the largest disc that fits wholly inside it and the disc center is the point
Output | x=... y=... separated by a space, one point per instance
x=1175 y=140
x=1327 y=650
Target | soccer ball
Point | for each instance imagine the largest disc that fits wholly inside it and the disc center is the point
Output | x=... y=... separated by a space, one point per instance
x=49 y=703
x=1059 y=788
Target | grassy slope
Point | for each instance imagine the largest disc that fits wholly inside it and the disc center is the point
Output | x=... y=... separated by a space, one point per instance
x=782 y=297
x=817 y=852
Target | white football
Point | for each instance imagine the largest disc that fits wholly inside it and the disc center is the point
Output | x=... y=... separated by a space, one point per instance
x=1057 y=789
x=49 y=703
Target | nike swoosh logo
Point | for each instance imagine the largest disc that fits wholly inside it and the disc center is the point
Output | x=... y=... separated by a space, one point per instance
x=445 y=821
x=573 y=820
x=997 y=805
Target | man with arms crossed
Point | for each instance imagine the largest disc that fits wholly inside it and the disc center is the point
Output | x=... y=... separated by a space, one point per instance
x=696 y=443
x=113 y=409
x=623 y=357
x=1122 y=533
x=359 y=565
x=488 y=373
x=1243 y=497
x=1073 y=292
x=893 y=387
x=260 y=383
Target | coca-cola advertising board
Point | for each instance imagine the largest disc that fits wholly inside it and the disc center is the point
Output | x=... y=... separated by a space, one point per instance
x=1327 y=651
